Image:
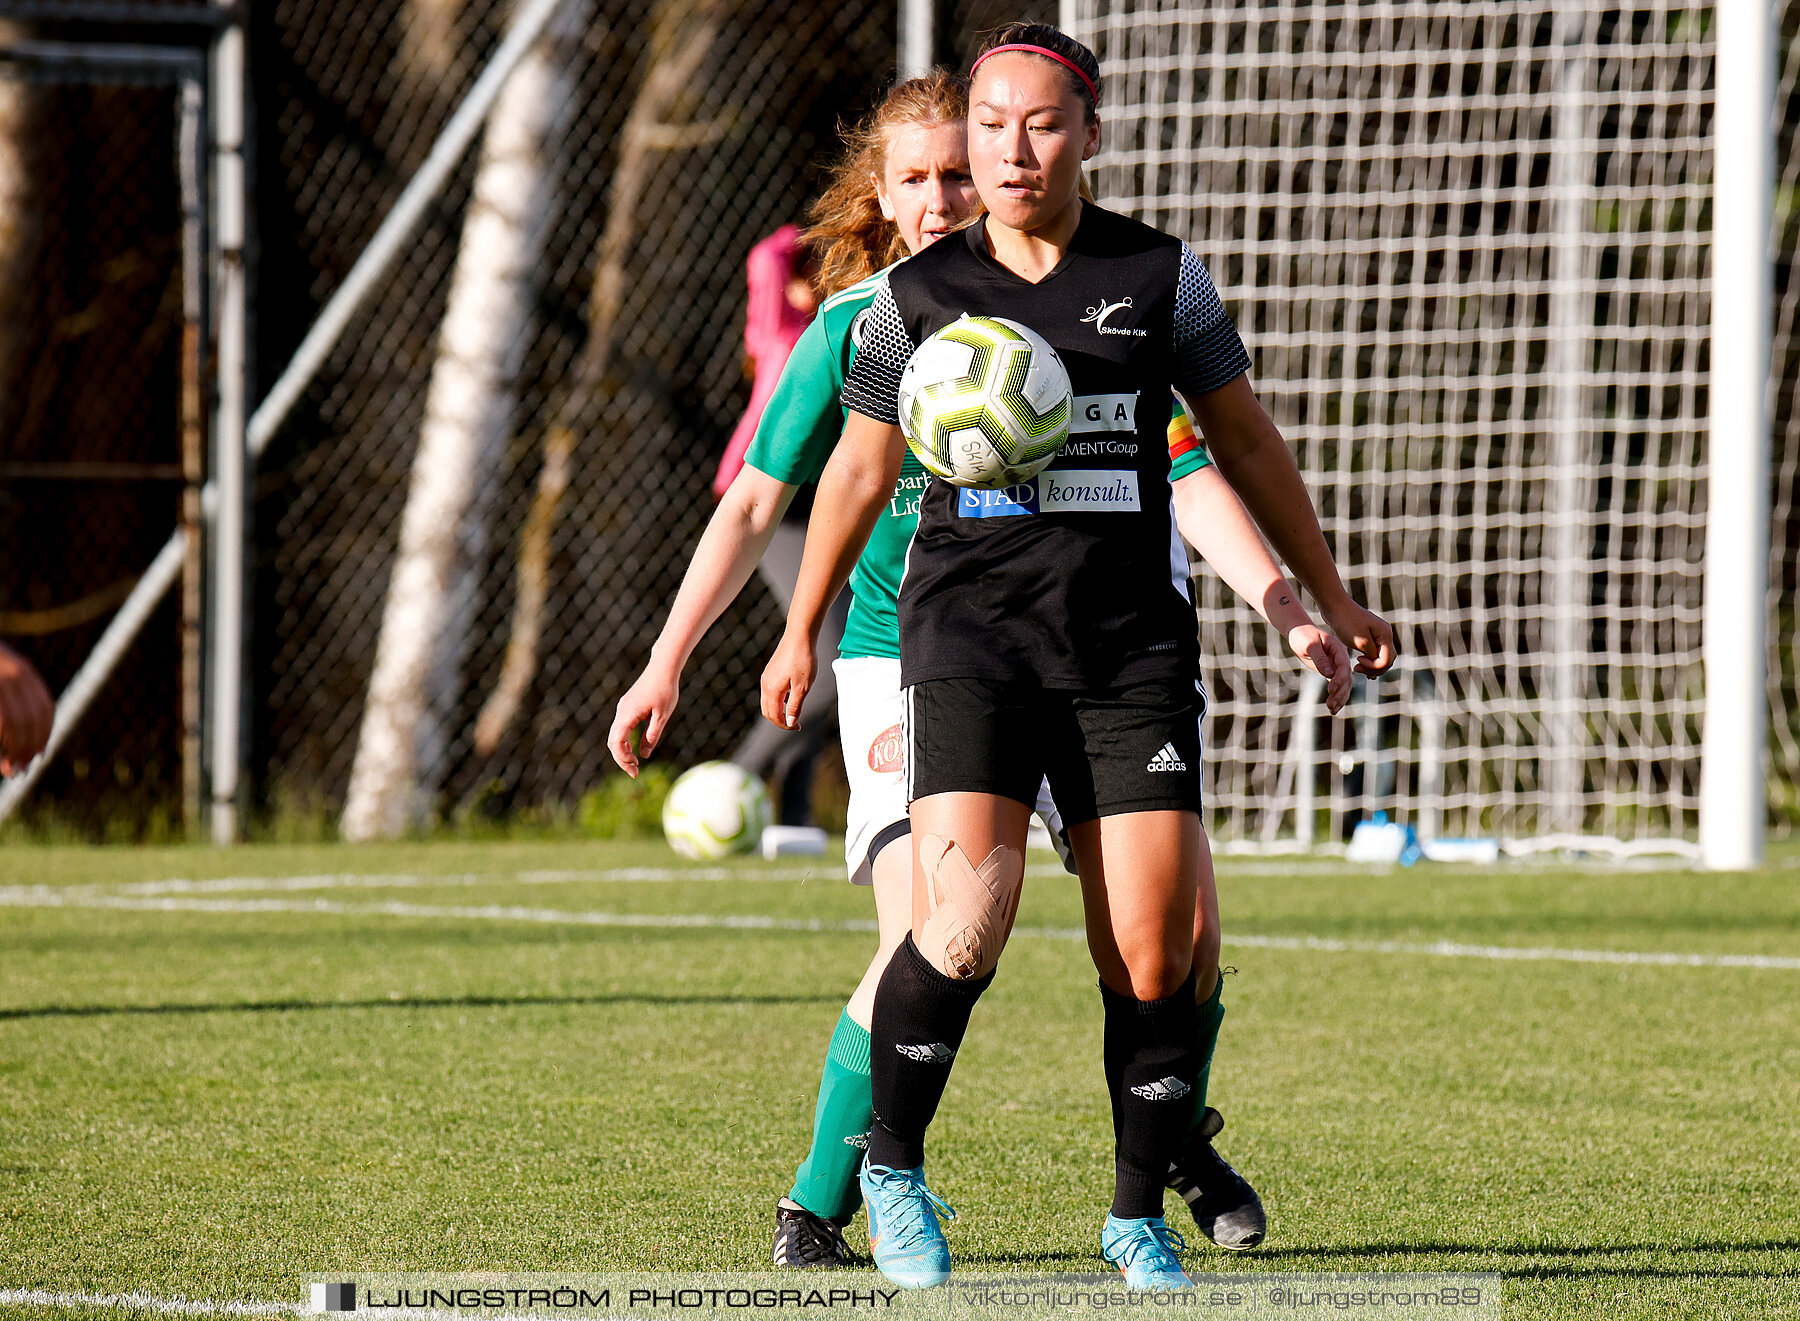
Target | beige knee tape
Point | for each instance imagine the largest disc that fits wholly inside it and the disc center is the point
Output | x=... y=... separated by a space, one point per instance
x=972 y=908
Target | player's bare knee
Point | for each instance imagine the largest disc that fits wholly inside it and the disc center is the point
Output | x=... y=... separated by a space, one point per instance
x=1158 y=974
x=970 y=907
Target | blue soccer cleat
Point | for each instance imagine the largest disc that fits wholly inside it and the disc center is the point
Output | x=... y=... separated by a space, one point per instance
x=1144 y=1251
x=904 y=1235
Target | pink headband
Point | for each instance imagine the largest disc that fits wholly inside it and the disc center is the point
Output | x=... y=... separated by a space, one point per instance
x=1063 y=60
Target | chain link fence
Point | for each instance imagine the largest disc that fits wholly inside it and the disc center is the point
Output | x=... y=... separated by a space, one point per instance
x=696 y=127
x=699 y=128
x=98 y=328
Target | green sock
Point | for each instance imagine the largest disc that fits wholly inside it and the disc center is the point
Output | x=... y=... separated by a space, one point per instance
x=1212 y=1013
x=826 y=1184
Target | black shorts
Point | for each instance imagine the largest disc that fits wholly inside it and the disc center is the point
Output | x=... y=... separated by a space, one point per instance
x=1105 y=752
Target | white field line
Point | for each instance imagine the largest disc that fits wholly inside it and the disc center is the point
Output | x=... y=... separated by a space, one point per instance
x=413 y=880
x=827 y=870
x=1453 y=950
x=16 y=895
x=143 y=1302
x=48 y=897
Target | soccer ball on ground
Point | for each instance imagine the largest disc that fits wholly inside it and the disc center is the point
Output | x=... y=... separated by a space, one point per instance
x=715 y=809
x=985 y=402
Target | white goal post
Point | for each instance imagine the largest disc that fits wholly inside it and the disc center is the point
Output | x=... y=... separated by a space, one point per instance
x=1472 y=249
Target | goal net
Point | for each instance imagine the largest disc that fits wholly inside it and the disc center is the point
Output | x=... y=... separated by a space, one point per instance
x=1467 y=246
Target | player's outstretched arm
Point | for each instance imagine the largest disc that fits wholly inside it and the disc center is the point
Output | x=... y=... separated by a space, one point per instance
x=1215 y=523
x=1250 y=452
x=856 y=484
x=734 y=541
x=26 y=712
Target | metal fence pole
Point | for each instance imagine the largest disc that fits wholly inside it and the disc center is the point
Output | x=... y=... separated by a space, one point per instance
x=917 y=37
x=1733 y=796
x=226 y=696
x=195 y=228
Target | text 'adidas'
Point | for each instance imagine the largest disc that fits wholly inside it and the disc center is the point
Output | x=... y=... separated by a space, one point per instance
x=1167 y=760
x=1163 y=1089
x=936 y=1053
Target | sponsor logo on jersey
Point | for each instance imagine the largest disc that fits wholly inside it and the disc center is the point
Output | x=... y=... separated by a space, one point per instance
x=859 y=325
x=1104 y=412
x=1166 y=759
x=1163 y=1089
x=887 y=754
x=936 y=1053
x=1060 y=491
x=909 y=489
x=1097 y=317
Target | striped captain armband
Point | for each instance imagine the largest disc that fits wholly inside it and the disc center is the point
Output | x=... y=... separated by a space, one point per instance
x=1182 y=438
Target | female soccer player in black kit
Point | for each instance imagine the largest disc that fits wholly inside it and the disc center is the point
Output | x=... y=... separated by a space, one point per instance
x=1048 y=630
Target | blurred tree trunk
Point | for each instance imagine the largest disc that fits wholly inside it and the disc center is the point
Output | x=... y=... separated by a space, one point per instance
x=469 y=409
x=660 y=122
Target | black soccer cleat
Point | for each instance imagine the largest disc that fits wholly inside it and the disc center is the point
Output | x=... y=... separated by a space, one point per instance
x=1225 y=1206
x=804 y=1241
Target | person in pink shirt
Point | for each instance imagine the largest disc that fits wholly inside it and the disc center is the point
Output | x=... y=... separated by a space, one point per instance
x=782 y=303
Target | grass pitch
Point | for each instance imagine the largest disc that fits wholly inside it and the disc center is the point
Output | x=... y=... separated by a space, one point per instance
x=210 y=1090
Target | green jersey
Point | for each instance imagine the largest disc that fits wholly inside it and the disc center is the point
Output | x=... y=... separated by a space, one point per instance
x=801 y=425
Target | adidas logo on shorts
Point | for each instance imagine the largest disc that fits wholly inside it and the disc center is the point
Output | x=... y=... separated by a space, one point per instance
x=1163 y=1089
x=1167 y=760
x=936 y=1053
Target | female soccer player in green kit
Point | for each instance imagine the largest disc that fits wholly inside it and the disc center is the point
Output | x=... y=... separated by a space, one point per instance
x=1040 y=644
x=904 y=185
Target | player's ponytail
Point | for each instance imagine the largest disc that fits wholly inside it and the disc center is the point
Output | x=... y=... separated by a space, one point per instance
x=847 y=230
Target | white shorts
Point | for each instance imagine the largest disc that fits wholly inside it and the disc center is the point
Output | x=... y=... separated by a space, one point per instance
x=874 y=759
x=875 y=763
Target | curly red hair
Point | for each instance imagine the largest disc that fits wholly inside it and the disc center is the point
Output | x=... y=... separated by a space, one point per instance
x=846 y=227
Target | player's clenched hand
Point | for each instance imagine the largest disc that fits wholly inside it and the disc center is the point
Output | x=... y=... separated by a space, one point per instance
x=26 y=712
x=1368 y=632
x=1326 y=657
x=787 y=680
x=652 y=698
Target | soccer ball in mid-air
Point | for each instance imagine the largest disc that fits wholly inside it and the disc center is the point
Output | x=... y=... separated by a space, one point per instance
x=715 y=809
x=985 y=402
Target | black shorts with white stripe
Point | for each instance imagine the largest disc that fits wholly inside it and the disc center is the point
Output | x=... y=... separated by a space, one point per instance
x=1106 y=752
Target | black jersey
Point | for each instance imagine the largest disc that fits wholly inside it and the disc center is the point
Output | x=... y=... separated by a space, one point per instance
x=1076 y=579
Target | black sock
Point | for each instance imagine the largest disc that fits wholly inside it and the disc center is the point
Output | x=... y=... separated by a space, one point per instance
x=1151 y=1063
x=919 y=1021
